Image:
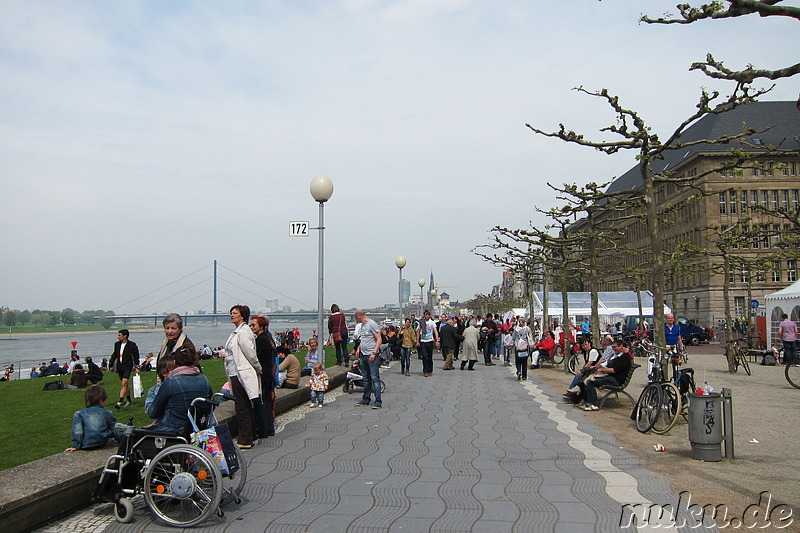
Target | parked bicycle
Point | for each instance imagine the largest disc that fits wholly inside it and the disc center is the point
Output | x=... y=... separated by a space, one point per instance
x=739 y=353
x=663 y=399
x=792 y=373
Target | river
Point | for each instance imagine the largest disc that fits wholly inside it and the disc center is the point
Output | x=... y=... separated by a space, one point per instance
x=26 y=351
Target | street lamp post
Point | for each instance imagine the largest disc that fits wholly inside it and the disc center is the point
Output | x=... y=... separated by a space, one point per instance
x=421 y=283
x=433 y=299
x=321 y=189
x=400 y=263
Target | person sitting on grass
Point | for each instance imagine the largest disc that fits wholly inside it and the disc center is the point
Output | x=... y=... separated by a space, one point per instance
x=93 y=426
x=79 y=379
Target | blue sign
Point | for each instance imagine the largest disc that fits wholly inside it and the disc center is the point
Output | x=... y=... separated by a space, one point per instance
x=753 y=304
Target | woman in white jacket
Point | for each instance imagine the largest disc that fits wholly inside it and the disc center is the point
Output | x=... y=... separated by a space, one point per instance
x=243 y=369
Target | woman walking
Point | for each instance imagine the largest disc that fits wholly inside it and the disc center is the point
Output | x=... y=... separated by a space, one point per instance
x=522 y=342
x=242 y=368
x=337 y=327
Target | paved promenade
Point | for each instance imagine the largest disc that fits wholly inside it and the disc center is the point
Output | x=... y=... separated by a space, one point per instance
x=459 y=451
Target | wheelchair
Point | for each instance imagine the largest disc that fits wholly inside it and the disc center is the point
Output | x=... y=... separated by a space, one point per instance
x=182 y=484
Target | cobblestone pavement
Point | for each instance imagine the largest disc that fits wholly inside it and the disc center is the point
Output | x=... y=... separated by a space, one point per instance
x=460 y=451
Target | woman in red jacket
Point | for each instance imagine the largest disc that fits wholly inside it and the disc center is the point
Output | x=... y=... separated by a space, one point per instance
x=545 y=347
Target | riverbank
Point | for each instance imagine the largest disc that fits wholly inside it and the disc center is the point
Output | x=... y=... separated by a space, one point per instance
x=11 y=336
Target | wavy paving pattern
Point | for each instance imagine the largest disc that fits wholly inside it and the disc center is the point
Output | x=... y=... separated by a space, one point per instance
x=457 y=452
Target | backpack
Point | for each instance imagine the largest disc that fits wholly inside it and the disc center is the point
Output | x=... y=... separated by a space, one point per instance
x=54 y=385
x=769 y=360
x=521 y=344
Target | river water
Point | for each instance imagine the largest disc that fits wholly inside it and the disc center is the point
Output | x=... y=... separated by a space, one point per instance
x=26 y=351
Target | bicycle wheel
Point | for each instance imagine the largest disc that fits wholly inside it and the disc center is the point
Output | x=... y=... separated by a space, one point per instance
x=670 y=408
x=647 y=407
x=183 y=485
x=557 y=357
x=572 y=363
x=792 y=373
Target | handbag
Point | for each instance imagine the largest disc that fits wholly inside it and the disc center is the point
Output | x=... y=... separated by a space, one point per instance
x=138 y=391
x=337 y=336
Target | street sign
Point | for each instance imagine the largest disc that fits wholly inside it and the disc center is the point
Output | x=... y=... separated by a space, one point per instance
x=298 y=228
x=753 y=304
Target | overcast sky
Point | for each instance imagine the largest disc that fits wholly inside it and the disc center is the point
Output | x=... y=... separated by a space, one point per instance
x=140 y=141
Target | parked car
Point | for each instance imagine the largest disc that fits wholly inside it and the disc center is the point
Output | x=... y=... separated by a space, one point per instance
x=691 y=332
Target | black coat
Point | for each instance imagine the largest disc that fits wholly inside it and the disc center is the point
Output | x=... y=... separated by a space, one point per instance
x=130 y=357
x=450 y=337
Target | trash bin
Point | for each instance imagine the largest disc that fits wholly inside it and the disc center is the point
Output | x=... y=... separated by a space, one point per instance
x=705 y=426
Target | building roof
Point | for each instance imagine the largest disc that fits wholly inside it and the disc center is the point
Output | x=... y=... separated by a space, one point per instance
x=784 y=118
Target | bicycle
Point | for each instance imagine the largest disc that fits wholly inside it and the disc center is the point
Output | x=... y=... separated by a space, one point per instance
x=739 y=356
x=662 y=400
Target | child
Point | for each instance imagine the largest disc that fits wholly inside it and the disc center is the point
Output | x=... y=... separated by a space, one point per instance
x=93 y=426
x=318 y=384
x=508 y=345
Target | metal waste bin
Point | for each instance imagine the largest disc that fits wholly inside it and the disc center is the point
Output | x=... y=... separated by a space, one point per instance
x=705 y=426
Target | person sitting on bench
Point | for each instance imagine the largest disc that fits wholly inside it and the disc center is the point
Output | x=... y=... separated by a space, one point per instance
x=613 y=374
x=544 y=348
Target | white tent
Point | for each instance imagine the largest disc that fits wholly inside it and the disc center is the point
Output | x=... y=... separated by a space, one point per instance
x=784 y=301
x=611 y=305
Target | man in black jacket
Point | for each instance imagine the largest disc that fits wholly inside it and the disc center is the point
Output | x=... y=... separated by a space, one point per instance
x=93 y=371
x=124 y=361
x=450 y=338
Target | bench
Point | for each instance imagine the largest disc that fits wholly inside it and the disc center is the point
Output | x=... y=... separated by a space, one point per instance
x=616 y=390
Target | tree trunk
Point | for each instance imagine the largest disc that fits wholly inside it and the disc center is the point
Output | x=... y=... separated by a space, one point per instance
x=565 y=322
x=593 y=282
x=727 y=301
x=545 y=325
x=657 y=249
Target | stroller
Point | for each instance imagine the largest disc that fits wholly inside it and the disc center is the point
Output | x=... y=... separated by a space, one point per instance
x=182 y=483
x=355 y=379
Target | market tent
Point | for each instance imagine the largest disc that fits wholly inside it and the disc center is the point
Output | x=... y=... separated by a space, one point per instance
x=784 y=301
x=611 y=305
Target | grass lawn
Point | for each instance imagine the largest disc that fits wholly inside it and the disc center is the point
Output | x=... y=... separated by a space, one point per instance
x=37 y=424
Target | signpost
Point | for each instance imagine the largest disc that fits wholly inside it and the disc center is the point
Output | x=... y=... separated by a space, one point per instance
x=298 y=228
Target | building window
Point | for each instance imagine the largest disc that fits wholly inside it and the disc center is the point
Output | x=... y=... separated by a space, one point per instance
x=776 y=234
x=776 y=276
x=732 y=205
x=753 y=197
x=774 y=200
x=795 y=199
x=744 y=276
x=755 y=170
x=791 y=270
x=765 y=236
x=761 y=276
x=722 y=204
x=785 y=199
x=731 y=275
x=738 y=305
x=764 y=195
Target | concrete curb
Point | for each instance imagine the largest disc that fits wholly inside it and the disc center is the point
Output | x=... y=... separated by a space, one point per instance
x=43 y=490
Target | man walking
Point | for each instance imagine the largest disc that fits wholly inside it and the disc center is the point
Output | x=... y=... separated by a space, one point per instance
x=124 y=360
x=491 y=335
x=788 y=332
x=450 y=338
x=369 y=337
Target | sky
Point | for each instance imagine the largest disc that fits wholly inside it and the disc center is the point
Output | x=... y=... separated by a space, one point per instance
x=141 y=141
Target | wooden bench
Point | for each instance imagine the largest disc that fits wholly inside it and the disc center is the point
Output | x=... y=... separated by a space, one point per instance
x=616 y=390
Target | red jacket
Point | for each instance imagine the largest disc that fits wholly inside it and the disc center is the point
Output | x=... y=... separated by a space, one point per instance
x=547 y=344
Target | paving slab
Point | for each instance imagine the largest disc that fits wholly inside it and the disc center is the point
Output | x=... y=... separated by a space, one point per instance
x=460 y=451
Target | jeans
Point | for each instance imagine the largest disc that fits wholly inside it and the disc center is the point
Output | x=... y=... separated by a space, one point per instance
x=426 y=350
x=789 y=351
x=498 y=343
x=405 y=358
x=341 y=350
x=522 y=364
x=371 y=372
x=317 y=397
x=590 y=391
x=507 y=354
x=488 y=348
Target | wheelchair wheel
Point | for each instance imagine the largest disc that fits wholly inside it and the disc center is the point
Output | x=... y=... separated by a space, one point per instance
x=123 y=511
x=572 y=364
x=183 y=485
x=233 y=485
x=558 y=356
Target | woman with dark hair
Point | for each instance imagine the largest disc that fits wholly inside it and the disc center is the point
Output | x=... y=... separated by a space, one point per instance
x=182 y=385
x=337 y=327
x=242 y=368
x=176 y=339
x=265 y=351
